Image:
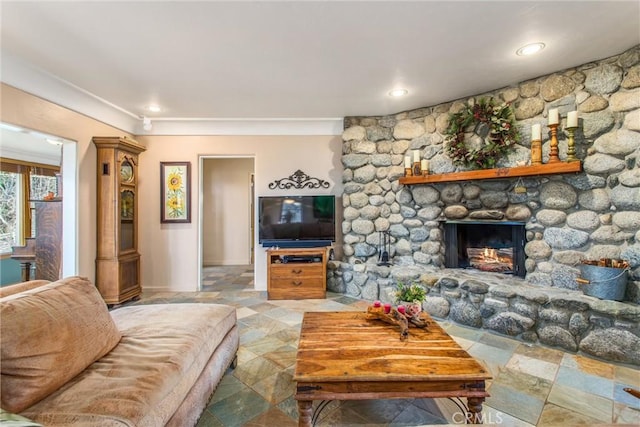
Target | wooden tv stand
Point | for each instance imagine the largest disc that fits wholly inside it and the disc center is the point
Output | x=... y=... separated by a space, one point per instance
x=298 y=273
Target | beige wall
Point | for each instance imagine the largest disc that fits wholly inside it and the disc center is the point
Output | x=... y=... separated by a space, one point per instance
x=170 y=257
x=226 y=211
x=170 y=252
x=27 y=111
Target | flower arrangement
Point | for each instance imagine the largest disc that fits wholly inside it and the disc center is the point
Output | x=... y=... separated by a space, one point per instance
x=410 y=293
x=503 y=134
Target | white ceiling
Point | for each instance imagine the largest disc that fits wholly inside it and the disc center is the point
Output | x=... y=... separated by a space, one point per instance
x=243 y=66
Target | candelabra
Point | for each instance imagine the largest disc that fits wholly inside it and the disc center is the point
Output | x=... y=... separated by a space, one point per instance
x=416 y=169
x=553 y=145
x=571 y=149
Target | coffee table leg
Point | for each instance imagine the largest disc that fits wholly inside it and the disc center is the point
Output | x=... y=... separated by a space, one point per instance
x=304 y=413
x=474 y=414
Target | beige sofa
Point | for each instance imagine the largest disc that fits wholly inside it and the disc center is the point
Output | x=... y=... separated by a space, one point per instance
x=67 y=360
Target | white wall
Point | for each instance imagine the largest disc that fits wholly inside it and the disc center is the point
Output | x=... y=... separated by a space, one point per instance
x=226 y=216
x=170 y=251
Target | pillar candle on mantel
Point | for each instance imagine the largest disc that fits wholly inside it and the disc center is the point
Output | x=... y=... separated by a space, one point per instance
x=416 y=156
x=407 y=162
x=572 y=119
x=536 y=132
x=424 y=165
x=553 y=117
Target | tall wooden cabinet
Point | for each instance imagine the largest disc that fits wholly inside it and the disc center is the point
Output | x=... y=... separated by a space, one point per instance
x=117 y=259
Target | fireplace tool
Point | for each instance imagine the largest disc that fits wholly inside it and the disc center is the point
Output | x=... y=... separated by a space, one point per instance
x=384 y=247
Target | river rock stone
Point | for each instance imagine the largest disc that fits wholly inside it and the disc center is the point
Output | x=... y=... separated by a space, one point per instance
x=451 y=194
x=466 y=313
x=436 y=306
x=537 y=250
x=584 y=220
x=556 y=336
x=612 y=344
x=618 y=143
x=565 y=238
x=486 y=214
x=592 y=104
x=556 y=86
x=629 y=221
x=528 y=108
x=354 y=160
x=551 y=217
x=604 y=79
x=558 y=195
x=408 y=129
x=455 y=212
x=625 y=198
x=494 y=199
x=475 y=287
x=578 y=323
x=354 y=133
x=630 y=178
x=632 y=120
x=509 y=323
x=518 y=213
x=359 y=200
x=594 y=124
x=603 y=164
x=364 y=174
x=425 y=195
x=625 y=101
x=595 y=200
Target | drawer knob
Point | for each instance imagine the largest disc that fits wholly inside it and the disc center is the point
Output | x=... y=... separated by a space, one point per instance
x=296 y=271
x=298 y=283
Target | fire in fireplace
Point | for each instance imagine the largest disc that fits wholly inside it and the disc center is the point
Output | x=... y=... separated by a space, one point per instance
x=486 y=246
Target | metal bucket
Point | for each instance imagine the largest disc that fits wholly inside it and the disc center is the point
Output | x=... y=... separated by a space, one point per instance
x=604 y=282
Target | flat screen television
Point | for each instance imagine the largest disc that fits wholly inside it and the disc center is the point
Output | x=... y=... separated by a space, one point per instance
x=296 y=221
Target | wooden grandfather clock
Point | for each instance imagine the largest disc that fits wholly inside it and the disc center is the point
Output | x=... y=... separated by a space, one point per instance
x=117 y=259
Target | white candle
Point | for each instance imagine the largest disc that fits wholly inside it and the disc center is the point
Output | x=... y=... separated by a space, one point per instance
x=424 y=165
x=553 y=117
x=572 y=119
x=416 y=156
x=536 y=134
x=407 y=162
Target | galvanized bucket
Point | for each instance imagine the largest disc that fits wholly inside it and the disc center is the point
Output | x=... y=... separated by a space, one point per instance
x=604 y=282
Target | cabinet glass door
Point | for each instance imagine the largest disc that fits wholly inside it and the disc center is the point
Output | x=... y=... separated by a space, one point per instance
x=127 y=224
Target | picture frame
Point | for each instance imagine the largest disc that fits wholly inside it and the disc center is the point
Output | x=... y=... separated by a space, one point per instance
x=175 y=192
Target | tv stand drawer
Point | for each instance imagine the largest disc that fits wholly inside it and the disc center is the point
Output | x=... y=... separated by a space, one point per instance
x=297 y=273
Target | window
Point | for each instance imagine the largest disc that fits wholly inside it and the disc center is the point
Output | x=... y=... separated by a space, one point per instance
x=20 y=184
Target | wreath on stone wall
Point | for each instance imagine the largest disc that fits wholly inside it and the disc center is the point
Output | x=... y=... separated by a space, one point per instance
x=501 y=134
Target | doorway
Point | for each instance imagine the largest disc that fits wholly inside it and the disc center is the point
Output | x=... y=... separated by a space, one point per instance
x=226 y=213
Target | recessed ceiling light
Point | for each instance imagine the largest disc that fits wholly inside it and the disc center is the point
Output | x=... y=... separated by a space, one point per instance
x=398 y=92
x=154 y=108
x=530 y=49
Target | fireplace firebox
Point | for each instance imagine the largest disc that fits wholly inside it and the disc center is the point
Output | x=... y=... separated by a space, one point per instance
x=495 y=246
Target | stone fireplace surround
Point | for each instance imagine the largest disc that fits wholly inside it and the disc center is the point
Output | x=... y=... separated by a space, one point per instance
x=568 y=218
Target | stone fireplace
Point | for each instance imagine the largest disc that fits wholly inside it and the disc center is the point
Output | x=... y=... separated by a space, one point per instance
x=486 y=246
x=565 y=218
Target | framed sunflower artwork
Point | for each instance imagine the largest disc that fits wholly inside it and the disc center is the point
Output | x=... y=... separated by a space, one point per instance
x=175 y=197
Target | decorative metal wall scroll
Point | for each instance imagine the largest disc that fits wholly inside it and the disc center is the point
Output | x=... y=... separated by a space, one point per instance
x=299 y=179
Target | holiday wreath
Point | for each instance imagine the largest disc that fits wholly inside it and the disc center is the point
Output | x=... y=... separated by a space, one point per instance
x=501 y=138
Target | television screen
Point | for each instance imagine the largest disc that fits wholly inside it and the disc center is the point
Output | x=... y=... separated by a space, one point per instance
x=284 y=219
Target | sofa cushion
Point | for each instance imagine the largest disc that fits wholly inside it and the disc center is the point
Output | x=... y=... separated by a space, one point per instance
x=142 y=382
x=21 y=287
x=49 y=335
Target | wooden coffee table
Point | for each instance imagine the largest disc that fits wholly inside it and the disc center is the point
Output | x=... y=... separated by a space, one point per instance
x=344 y=356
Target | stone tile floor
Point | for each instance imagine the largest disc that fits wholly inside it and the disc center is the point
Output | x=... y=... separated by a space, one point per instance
x=532 y=385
